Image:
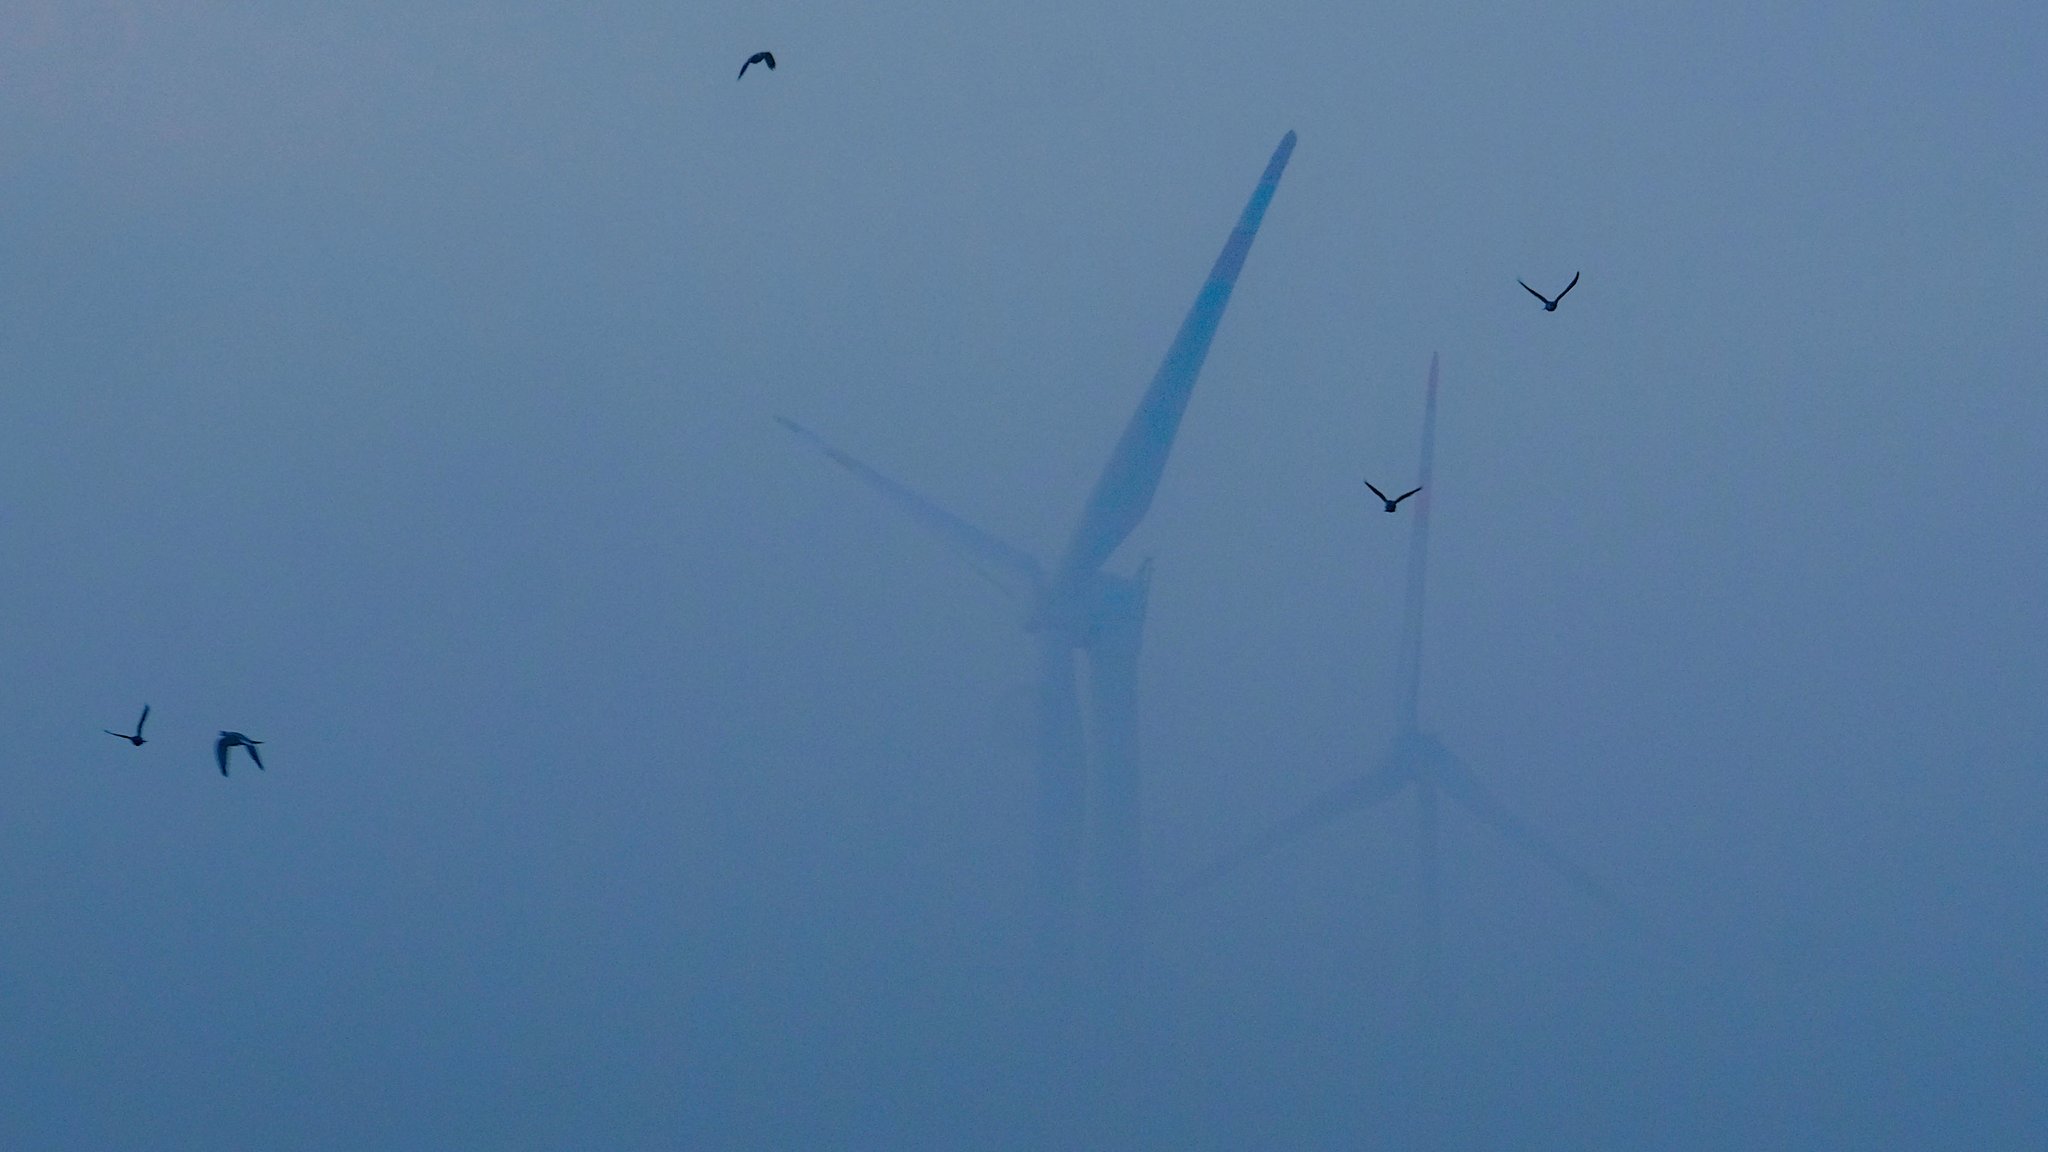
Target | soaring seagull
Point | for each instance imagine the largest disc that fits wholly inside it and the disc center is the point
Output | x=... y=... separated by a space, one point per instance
x=1396 y=500
x=136 y=739
x=234 y=740
x=1549 y=304
x=767 y=58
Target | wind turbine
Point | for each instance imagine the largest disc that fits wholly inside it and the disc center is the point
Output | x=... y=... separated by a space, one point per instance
x=1420 y=760
x=1087 y=827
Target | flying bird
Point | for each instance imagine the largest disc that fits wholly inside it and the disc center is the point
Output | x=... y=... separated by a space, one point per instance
x=136 y=739
x=1549 y=303
x=767 y=58
x=234 y=740
x=1396 y=500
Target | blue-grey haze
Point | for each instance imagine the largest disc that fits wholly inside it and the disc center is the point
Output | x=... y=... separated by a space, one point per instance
x=393 y=383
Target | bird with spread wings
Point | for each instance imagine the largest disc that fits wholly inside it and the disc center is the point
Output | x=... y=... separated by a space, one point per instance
x=1550 y=302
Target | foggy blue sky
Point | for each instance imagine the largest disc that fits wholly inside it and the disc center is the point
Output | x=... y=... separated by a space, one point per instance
x=393 y=383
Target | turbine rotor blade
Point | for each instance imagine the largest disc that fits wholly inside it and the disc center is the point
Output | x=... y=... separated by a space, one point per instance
x=1461 y=785
x=1007 y=567
x=1124 y=491
x=1410 y=671
x=1375 y=787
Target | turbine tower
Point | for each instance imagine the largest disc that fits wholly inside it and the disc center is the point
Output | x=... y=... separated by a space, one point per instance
x=1421 y=760
x=1087 y=819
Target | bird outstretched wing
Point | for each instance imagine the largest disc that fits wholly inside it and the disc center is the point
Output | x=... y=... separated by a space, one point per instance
x=220 y=754
x=1570 y=286
x=253 y=755
x=143 y=720
x=1405 y=495
x=1375 y=491
x=1532 y=291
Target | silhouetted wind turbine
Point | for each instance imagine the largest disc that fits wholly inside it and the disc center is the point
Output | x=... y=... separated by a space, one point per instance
x=1088 y=785
x=1420 y=760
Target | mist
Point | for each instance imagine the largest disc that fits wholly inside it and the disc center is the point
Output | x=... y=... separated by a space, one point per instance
x=396 y=384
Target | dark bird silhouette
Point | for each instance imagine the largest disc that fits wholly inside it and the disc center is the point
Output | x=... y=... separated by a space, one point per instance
x=1550 y=304
x=136 y=739
x=767 y=58
x=234 y=740
x=1396 y=500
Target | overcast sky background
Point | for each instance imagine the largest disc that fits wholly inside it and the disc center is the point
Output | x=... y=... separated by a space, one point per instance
x=393 y=382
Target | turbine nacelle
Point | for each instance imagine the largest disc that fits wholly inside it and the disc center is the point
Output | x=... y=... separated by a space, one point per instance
x=1419 y=754
x=1088 y=610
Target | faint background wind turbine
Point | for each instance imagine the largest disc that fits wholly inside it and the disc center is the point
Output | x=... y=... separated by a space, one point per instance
x=1420 y=760
x=1087 y=819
